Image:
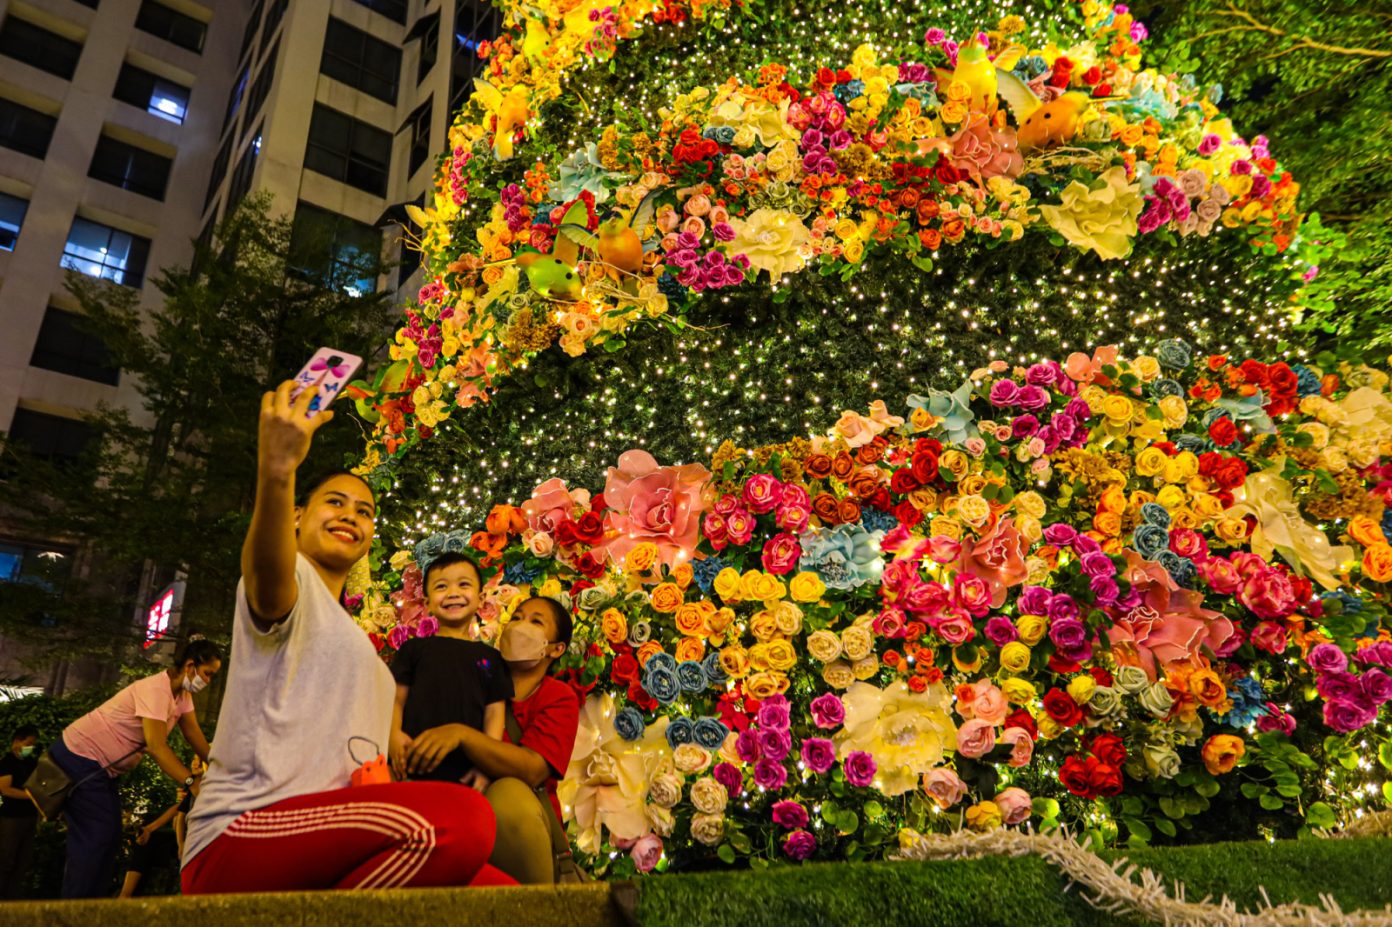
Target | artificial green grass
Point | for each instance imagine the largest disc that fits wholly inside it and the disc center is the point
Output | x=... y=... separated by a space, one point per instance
x=1022 y=891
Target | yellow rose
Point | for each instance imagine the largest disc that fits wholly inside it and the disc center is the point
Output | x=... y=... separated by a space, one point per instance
x=682 y=575
x=1117 y=409
x=758 y=657
x=1031 y=628
x=857 y=641
x=1108 y=523
x=766 y=685
x=1030 y=528
x=854 y=250
x=614 y=626
x=973 y=510
x=953 y=112
x=763 y=625
x=1187 y=464
x=1049 y=728
x=971 y=485
x=865 y=668
x=1151 y=462
x=1207 y=506
x=1318 y=432
x=846 y=228
x=690 y=648
x=1183 y=517
x=641 y=558
x=1113 y=500
x=735 y=662
x=550 y=589
x=765 y=588
x=788 y=617
x=1366 y=531
x=824 y=646
x=774 y=240
x=1231 y=530
x=666 y=598
x=1171 y=497
x=1094 y=396
x=781 y=655
x=1015 y=657
x=806 y=587
x=1081 y=688
x=727 y=584
x=954 y=462
x=1031 y=504
x=984 y=816
x=838 y=675
x=691 y=619
x=1147 y=367
x=947 y=527
x=1018 y=691
x=720 y=619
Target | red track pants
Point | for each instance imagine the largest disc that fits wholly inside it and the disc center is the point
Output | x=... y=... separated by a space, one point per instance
x=376 y=836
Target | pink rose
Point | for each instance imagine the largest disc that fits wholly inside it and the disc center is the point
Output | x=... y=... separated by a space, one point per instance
x=998 y=559
x=698 y=205
x=646 y=852
x=972 y=593
x=889 y=623
x=1015 y=805
x=713 y=526
x=985 y=152
x=539 y=543
x=943 y=549
x=1268 y=594
x=726 y=504
x=651 y=503
x=1269 y=636
x=794 y=518
x=856 y=429
x=989 y=704
x=1220 y=575
x=944 y=786
x=976 y=738
x=954 y=628
x=762 y=492
x=975 y=446
x=1021 y=745
x=549 y=506
x=781 y=554
x=739 y=527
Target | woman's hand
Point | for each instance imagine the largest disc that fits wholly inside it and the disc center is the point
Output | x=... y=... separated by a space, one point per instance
x=285 y=430
x=431 y=747
x=143 y=837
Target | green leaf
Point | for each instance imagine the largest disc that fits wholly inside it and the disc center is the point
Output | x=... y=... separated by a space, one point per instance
x=874 y=834
x=1138 y=829
x=1272 y=802
x=848 y=822
x=1165 y=826
x=758 y=863
x=1320 y=814
x=1387 y=791
x=1253 y=790
x=873 y=809
x=1385 y=754
x=829 y=812
x=1047 y=808
x=726 y=854
x=1288 y=791
x=613 y=345
x=1207 y=787
x=740 y=841
x=1170 y=807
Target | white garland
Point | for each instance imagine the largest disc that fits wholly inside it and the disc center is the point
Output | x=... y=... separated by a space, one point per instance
x=1113 y=888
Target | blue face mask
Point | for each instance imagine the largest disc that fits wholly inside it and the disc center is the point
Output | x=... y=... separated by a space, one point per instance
x=26 y=752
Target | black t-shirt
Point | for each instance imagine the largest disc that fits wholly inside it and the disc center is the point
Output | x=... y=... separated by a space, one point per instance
x=18 y=768
x=451 y=682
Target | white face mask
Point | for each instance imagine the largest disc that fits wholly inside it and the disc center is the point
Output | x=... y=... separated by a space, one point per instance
x=194 y=684
x=523 y=645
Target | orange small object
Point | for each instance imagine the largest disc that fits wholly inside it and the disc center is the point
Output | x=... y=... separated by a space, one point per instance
x=374 y=772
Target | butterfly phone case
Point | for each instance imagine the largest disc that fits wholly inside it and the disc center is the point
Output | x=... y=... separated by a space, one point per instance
x=329 y=370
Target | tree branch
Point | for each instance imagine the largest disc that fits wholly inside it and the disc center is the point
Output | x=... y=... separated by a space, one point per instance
x=1301 y=42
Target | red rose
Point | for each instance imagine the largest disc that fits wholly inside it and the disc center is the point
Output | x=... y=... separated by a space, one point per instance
x=597 y=503
x=904 y=482
x=1060 y=706
x=1074 y=774
x=1255 y=372
x=1092 y=75
x=907 y=515
x=1230 y=474
x=1099 y=674
x=925 y=466
x=1109 y=749
x=566 y=535
x=918 y=684
x=590 y=528
x=1223 y=431
x=1105 y=779
x=1021 y=718
x=579 y=586
x=640 y=698
x=1302 y=588
x=590 y=565
x=881 y=499
x=624 y=669
x=826 y=76
x=1282 y=378
x=1062 y=667
x=690 y=137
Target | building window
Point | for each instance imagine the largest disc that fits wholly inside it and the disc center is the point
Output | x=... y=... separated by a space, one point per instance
x=234 y=99
x=395 y=10
x=65 y=346
x=334 y=250
x=152 y=93
x=130 y=168
x=12 y=210
x=429 y=47
x=273 y=17
x=36 y=46
x=241 y=177
x=357 y=59
x=224 y=155
x=38 y=566
x=100 y=251
x=261 y=86
x=50 y=437
x=171 y=25
x=345 y=149
x=24 y=129
x=251 y=25
x=420 y=135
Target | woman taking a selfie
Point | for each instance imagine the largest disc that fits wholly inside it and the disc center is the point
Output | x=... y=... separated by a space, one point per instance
x=111 y=739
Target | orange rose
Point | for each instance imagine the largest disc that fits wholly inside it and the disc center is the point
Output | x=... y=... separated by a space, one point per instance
x=691 y=620
x=1113 y=500
x=1366 y=531
x=614 y=625
x=1107 y=523
x=817 y=466
x=682 y=574
x=842 y=466
x=667 y=598
x=647 y=651
x=720 y=619
x=1208 y=688
x=1222 y=752
x=505 y=519
x=1377 y=562
x=690 y=648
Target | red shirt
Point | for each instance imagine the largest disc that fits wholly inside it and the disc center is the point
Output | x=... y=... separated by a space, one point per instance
x=548 y=720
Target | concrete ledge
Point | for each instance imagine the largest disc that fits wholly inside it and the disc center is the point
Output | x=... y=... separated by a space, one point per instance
x=590 y=905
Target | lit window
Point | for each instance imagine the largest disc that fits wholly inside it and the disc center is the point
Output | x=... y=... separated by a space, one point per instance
x=100 y=251
x=12 y=210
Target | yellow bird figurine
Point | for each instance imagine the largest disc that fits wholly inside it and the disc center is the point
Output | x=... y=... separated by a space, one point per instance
x=510 y=111
x=978 y=72
x=1041 y=125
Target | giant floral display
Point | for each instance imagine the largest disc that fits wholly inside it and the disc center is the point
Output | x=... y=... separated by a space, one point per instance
x=763 y=176
x=1144 y=597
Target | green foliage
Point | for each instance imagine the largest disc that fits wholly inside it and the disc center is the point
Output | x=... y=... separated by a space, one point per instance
x=173 y=484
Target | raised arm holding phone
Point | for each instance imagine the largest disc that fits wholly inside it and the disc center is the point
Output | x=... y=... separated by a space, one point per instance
x=308 y=701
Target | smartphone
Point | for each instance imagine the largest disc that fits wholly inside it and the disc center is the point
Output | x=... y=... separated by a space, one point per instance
x=329 y=370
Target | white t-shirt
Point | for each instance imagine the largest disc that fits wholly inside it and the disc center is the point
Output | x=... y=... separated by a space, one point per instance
x=295 y=697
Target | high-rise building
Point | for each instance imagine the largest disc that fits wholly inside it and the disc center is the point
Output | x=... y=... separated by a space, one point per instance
x=130 y=127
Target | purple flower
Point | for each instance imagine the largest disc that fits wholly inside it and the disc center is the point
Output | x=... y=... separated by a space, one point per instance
x=799 y=845
x=1327 y=658
x=1062 y=608
x=1058 y=534
x=1070 y=637
x=1104 y=589
x=1004 y=392
x=1346 y=716
x=775 y=744
x=727 y=775
x=1261 y=186
x=912 y=73
x=1001 y=631
x=770 y=774
x=428 y=627
x=1063 y=425
x=1377 y=686
x=1241 y=167
x=789 y=815
x=1079 y=410
x=723 y=231
x=934 y=36
x=1139 y=33
x=1097 y=563
x=1339 y=685
x=818 y=754
x=1034 y=600
x=1209 y=145
x=827 y=711
x=747 y=745
x=773 y=713
x=859 y=767
x=1083 y=545
x=1032 y=397
x=1040 y=375
x=812 y=138
x=398 y=636
x=1024 y=426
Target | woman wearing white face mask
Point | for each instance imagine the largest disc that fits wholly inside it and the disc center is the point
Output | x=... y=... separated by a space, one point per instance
x=111 y=740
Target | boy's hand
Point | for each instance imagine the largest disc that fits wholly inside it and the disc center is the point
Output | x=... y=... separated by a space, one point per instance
x=286 y=429
x=432 y=746
x=398 y=749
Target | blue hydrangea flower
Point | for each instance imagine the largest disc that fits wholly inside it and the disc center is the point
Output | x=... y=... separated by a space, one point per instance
x=954 y=410
x=1249 y=409
x=680 y=731
x=710 y=733
x=1386 y=523
x=724 y=135
x=703 y=572
x=850 y=90
x=1249 y=703
x=520 y=574
x=715 y=673
x=1156 y=514
x=844 y=557
x=1149 y=540
x=691 y=676
x=661 y=683
x=1186 y=574
x=875 y=520
x=1307 y=381
x=1194 y=443
x=1169 y=560
x=669 y=286
x=1027 y=69
x=1352 y=604
x=629 y=723
x=1174 y=354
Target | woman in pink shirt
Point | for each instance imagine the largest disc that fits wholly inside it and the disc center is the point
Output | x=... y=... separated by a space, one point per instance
x=112 y=739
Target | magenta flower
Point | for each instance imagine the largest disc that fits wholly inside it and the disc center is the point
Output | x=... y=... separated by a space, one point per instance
x=770 y=775
x=859 y=767
x=818 y=754
x=827 y=711
x=789 y=815
x=799 y=845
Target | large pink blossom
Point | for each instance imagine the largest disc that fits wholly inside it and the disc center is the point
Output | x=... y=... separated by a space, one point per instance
x=549 y=507
x=652 y=503
x=985 y=152
x=998 y=559
x=1168 y=626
